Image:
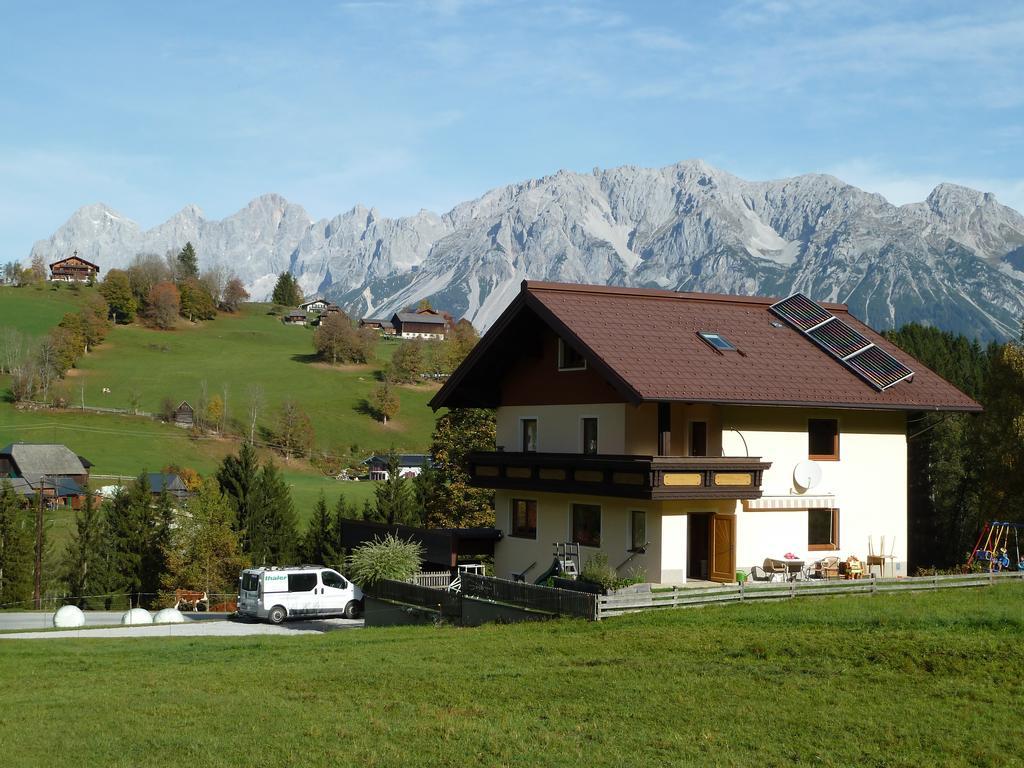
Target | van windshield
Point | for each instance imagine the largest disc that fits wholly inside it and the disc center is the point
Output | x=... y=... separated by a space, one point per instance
x=250 y=582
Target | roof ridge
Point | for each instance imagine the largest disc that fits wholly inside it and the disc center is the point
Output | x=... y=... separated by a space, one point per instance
x=663 y=293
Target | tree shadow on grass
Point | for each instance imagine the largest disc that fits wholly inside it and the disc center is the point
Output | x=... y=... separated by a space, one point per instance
x=365 y=408
x=310 y=358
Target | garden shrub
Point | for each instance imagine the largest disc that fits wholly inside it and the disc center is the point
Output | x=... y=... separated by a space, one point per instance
x=387 y=558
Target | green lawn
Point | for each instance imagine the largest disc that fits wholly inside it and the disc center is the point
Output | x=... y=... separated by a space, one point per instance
x=34 y=312
x=897 y=680
x=233 y=353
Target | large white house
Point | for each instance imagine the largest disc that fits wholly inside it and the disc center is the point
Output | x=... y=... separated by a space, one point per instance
x=691 y=435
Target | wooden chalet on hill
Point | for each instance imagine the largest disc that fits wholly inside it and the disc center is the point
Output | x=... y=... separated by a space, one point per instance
x=420 y=325
x=73 y=269
x=50 y=470
x=184 y=415
x=385 y=327
x=295 y=317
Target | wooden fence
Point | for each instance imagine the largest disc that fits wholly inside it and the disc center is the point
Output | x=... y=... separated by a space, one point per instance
x=560 y=602
x=616 y=605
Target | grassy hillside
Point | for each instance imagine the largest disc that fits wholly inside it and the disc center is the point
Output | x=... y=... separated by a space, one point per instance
x=895 y=680
x=229 y=354
x=233 y=353
x=34 y=312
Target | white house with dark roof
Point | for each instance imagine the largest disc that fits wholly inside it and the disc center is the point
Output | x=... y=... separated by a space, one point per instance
x=693 y=435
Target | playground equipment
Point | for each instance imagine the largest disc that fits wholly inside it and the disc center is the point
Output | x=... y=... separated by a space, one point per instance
x=993 y=546
x=566 y=562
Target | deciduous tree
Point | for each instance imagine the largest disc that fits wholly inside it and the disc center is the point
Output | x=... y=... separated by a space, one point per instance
x=449 y=500
x=385 y=401
x=294 y=435
x=163 y=305
x=116 y=288
x=234 y=295
x=205 y=551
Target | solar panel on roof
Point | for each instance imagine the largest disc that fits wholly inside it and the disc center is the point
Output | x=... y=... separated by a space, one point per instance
x=879 y=367
x=838 y=338
x=850 y=347
x=800 y=312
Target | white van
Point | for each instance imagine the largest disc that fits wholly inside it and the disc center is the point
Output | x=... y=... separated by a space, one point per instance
x=308 y=591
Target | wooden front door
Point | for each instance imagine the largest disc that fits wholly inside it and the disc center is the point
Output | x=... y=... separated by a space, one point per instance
x=723 y=549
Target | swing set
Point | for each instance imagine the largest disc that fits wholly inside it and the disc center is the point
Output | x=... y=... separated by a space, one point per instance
x=992 y=546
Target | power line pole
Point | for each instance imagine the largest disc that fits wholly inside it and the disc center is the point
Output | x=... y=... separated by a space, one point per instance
x=37 y=597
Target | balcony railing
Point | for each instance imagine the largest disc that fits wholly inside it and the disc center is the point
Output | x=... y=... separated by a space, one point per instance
x=633 y=477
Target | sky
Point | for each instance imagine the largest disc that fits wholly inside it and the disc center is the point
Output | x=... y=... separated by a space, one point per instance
x=410 y=104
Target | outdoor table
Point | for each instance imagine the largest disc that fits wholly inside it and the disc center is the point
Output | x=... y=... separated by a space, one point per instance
x=795 y=568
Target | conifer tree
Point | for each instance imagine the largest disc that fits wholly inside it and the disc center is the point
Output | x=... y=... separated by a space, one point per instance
x=317 y=543
x=273 y=538
x=394 y=500
x=127 y=538
x=237 y=478
x=84 y=560
x=187 y=263
x=286 y=291
x=16 y=548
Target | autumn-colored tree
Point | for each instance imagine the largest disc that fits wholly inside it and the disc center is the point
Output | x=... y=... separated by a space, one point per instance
x=215 y=413
x=234 y=295
x=163 y=305
x=38 y=268
x=145 y=271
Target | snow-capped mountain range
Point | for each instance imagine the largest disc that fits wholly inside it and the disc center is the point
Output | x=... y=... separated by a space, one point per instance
x=955 y=260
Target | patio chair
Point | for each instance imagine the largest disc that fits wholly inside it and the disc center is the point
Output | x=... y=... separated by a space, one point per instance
x=757 y=573
x=826 y=568
x=776 y=568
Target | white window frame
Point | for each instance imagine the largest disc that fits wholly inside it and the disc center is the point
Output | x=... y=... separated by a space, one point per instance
x=561 y=358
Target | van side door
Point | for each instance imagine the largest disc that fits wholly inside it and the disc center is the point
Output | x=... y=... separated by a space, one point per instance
x=335 y=593
x=303 y=594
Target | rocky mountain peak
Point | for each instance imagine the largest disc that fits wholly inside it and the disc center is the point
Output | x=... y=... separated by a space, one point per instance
x=952 y=260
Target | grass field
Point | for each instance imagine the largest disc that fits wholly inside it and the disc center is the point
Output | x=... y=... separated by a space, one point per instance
x=34 y=312
x=898 y=680
x=230 y=353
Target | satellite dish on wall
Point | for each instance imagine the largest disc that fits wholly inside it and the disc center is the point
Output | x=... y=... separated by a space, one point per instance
x=806 y=475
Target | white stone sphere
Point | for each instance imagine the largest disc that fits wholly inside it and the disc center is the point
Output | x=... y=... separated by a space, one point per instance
x=168 y=616
x=69 y=616
x=136 y=616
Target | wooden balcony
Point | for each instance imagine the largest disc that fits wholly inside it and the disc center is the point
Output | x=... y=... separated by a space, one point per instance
x=631 y=477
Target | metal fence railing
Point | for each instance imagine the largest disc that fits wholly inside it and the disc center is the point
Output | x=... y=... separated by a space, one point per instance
x=615 y=605
x=436 y=579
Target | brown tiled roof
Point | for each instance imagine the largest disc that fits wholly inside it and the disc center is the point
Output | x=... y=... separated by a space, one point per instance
x=646 y=343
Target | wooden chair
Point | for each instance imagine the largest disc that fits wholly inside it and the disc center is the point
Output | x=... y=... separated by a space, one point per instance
x=826 y=568
x=776 y=568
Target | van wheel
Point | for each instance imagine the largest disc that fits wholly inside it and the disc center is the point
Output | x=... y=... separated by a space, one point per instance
x=353 y=610
x=277 y=614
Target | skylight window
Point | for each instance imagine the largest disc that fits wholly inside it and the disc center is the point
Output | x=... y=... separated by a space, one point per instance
x=718 y=341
